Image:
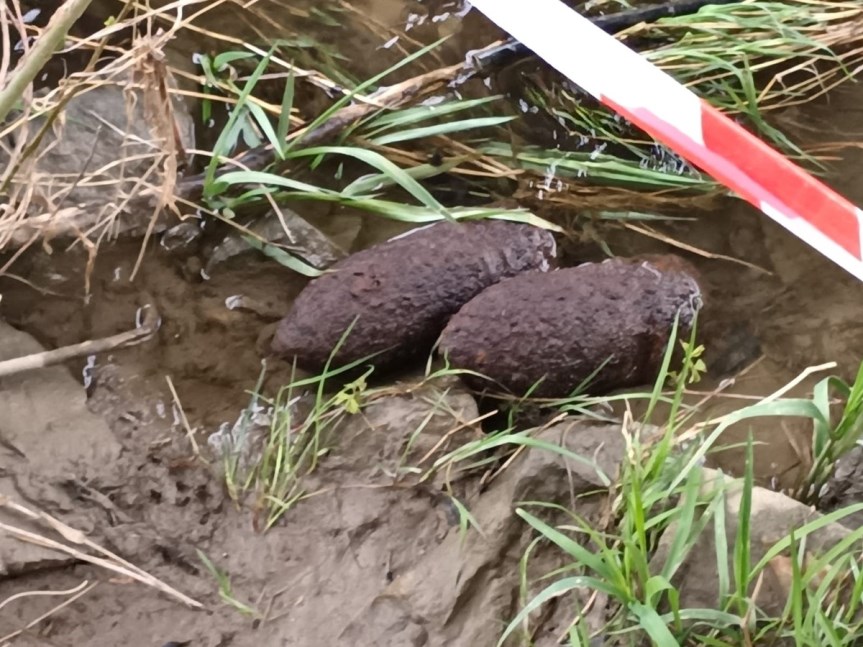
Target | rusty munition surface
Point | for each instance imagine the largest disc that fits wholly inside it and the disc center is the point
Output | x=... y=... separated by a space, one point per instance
x=610 y=320
x=399 y=295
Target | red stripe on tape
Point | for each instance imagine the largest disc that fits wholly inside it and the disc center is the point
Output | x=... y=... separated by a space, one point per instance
x=694 y=152
x=780 y=178
x=756 y=172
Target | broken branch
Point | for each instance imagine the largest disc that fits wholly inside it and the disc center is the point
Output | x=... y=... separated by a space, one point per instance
x=148 y=326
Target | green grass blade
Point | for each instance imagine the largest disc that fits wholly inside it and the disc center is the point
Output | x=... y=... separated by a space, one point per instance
x=378 y=181
x=720 y=540
x=273 y=180
x=385 y=166
x=824 y=520
x=210 y=188
x=221 y=61
x=561 y=587
x=287 y=108
x=413 y=116
x=264 y=124
x=791 y=407
x=685 y=518
x=653 y=625
x=347 y=98
x=283 y=257
x=440 y=129
x=743 y=540
x=570 y=546
x=519 y=439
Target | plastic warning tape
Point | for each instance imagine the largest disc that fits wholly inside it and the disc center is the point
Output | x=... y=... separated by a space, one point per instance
x=632 y=86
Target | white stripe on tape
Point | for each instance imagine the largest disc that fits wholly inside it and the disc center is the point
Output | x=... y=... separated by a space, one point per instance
x=599 y=63
x=821 y=243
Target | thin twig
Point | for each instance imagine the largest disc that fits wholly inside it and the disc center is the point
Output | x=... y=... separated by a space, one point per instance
x=110 y=561
x=80 y=591
x=27 y=594
x=144 y=331
x=33 y=61
x=459 y=427
x=190 y=433
x=650 y=232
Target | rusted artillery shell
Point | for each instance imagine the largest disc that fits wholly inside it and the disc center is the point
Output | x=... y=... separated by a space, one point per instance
x=564 y=325
x=402 y=292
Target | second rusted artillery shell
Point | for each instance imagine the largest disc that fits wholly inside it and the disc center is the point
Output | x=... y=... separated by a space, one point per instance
x=613 y=319
x=402 y=292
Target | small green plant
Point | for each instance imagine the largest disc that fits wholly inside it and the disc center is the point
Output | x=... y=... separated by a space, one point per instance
x=297 y=441
x=350 y=398
x=299 y=423
x=695 y=367
x=225 y=589
x=662 y=498
x=830 y=440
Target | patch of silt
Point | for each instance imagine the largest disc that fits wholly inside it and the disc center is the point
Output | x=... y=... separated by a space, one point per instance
x=156 y=503
x=331 y=568
x=374 y=547
x=375 y=557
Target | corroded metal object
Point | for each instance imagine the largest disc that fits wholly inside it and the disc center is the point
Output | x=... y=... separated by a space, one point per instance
x=604 y=325
x=399 y=295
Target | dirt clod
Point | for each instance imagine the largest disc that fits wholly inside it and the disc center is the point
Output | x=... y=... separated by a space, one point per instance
x=44 y=447
x=608 y=322
x=461 y=591
x=401 y=292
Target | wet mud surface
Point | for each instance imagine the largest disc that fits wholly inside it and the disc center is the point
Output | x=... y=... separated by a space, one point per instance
x=373 y=557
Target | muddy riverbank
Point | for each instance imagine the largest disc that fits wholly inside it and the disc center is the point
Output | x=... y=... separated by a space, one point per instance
x=117 y=445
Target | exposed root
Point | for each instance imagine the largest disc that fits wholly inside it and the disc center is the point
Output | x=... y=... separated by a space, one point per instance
x=146 y=328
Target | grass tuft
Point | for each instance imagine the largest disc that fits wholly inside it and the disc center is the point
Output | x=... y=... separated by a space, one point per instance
x=662 y=499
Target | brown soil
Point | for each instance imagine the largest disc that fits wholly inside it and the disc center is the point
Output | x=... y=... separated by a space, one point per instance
x=340 y=566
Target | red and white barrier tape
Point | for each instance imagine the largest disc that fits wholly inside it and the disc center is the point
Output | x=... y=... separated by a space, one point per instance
x=672 y=114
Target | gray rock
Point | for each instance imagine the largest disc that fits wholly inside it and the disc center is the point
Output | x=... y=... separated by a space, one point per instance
x=420 y=421
x=845 y=487
x=465 y=590
x=773 y=517
x=103 y=147
x=288 y=230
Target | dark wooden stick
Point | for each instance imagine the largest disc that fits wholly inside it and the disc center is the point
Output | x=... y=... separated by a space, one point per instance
x=511 y=50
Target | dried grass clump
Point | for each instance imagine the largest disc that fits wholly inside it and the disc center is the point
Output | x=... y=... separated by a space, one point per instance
x=75 y=156
x=748 y=58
